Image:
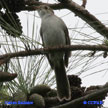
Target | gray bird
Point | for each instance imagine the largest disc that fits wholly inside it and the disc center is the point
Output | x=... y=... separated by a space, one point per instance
x=55 y=33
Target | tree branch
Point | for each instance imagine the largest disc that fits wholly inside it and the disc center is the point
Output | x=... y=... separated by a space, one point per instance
x=6 y=76
x=88 y=18
x=53 y=49
x=75 y=103
x=78 y=10
x=32 y=5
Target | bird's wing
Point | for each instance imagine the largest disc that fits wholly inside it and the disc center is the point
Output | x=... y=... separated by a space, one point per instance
x=65 y=29
x=68 y=53
x=52 y=65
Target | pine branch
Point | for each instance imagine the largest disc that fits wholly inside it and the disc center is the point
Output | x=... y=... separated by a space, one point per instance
x=55 y=49
x=76 y=103
x=79 y=11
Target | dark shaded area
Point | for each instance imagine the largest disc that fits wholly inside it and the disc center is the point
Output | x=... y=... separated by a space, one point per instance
x=12 y=5
x=9 y=20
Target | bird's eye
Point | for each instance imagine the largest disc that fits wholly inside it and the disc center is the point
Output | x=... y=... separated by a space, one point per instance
x=46 y=7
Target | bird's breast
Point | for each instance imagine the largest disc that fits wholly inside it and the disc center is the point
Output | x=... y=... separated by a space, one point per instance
x=53 y=34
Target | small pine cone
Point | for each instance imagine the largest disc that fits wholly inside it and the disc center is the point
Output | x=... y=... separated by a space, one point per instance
x=74 y=80
x=76 y=92
x=52 y=93
x=40 y=89
x=38 y=100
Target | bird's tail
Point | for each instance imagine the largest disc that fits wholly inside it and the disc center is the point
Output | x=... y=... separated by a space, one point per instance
x=63 y=86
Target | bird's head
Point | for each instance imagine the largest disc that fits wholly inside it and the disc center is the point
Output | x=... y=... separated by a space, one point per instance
x=44 y=10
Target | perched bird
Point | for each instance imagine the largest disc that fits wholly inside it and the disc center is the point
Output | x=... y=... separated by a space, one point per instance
x=55 y=33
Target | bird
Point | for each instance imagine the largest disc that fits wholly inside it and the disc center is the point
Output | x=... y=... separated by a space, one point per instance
x=54 y=32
